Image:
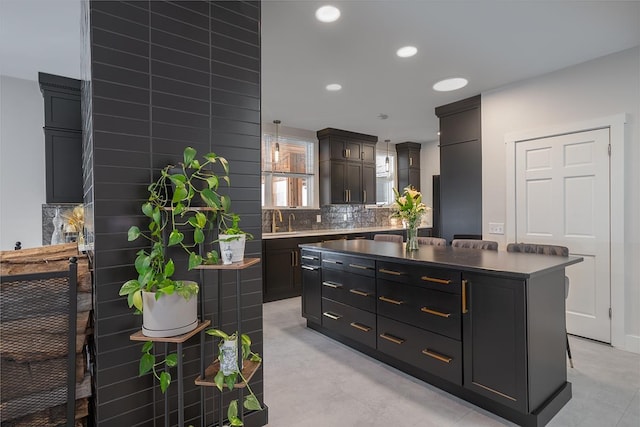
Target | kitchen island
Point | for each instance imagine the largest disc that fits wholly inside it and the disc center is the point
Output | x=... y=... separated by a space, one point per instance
x=486 y=326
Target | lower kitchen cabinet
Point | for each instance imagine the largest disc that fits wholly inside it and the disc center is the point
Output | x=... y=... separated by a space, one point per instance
x=282 y=271
x=488 y=329
x=311 y=286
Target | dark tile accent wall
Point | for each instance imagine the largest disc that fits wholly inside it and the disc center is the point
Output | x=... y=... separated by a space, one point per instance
x=332 y=217
x=166 y=75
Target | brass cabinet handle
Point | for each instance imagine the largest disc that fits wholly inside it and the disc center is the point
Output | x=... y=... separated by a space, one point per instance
x=435 y=280
x=358 y=292
x=437 y=356
x=364 y=196
x=332 y=285
x=410 y=161
x=464 y=297
x=391 y=338
x=392 y=301
x=358 y=326
x=331 y=315
x=434 y=312
x=331 y=261
x=348 y=195
x=313 y=258
x=395 y=273
x=361 y=267
x=306 y=267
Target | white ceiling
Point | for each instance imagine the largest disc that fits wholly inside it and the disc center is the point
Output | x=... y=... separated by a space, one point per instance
x=491 y=43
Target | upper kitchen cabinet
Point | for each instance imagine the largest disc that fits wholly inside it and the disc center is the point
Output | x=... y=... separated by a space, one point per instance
x=408 y=161
x=347 y=167
x=62 y=138
x=460 y=168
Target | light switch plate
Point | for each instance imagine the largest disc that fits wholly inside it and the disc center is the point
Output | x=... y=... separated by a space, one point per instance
x=318 y=218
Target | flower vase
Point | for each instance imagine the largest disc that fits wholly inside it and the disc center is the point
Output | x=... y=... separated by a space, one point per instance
x=229 y=357
x=412 y=236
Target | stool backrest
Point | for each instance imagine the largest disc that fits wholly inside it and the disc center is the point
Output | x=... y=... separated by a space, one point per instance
x=475 y=244
x=432 y=241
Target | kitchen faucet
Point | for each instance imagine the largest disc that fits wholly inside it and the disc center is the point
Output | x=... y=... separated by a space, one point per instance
x=274 y=227
x=290 y=216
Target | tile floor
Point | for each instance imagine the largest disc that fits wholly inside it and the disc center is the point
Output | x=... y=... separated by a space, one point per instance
x=313 y=381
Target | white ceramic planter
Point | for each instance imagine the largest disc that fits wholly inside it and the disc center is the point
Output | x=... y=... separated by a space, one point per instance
x=236 y=242
x=170 y=315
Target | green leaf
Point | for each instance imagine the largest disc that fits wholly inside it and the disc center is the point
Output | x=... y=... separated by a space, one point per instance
x=133 y=233
x=219 y=380
x=210 y=198
x=225 y=166
x=225 y=201
x=255 y=357
x=188 y=155
x=232 y=412
x=217 y=333
x=156 y=216
x=201 y=219
x=129 y=287
x=147 y=209
x=211 y=157
x=175 y=237
x=246 y=340
x=235 y=422
x=230 y=380
x=251 y=403
x=136 y=300
x=178 y=179
x=171 y=360
x=180 y=194
x=198 y=235
x=226 y=178
x=194 y=260
x=169 y=268
x=212 y=182
x=146 y=348
x=146 y=363
x=165 y=380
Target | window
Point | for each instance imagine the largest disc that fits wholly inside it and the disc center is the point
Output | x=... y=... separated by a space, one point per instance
x=287 y=172
x=385 y=177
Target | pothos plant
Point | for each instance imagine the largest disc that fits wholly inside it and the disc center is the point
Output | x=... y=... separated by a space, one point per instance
x=221 y=380
x=184 y=197
x=233 y=229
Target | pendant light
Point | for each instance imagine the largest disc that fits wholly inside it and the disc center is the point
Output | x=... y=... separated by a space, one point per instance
x=386 y=159
x=276 y=152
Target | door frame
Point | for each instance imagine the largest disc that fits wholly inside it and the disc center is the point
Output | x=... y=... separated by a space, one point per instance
x=617 y=135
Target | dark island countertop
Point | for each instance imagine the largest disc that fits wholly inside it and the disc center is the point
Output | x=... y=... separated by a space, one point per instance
x=501 y=263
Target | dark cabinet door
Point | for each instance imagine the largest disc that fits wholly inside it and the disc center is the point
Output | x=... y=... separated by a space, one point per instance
x=414 y=178
x=311 y=293
x=338 y=178
x=494 y=339
x=63 y=154
x=278 y=274
x=353 y=183
x=368 y=153
x=368 y=183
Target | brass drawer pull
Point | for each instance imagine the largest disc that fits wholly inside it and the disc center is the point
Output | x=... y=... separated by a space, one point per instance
x=360 y=327
x=315 y=258
x=331 y=315
x=332 y=285
x=358 y=292
x=330 y=261
x=395 y=273
x=464 y=297
x=393 y=339
x=392 y=301
x=306 y=267
x=440 y=357
x=434 y=312
x=435 y=280
x=361 y=267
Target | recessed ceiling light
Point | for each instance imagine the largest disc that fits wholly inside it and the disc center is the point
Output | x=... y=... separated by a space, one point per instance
x=333 y=87
x=407 y=51
x=327 y=14
x=450 y=84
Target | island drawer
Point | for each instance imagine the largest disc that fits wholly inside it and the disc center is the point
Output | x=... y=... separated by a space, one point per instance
x=352 y=264
x=440 y=279
x=425 y=308
x=348 y=288
x=359 y=325
x=308 y=257
x=425 y=350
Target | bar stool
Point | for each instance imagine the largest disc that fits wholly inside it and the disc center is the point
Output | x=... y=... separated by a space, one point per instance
x=432 y=241
x=489 y=245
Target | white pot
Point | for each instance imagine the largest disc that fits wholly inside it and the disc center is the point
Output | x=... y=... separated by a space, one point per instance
x=168 y=316
x=236 y=242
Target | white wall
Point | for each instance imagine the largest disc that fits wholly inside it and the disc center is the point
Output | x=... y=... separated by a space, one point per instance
x=599 y=88
x=22 y=164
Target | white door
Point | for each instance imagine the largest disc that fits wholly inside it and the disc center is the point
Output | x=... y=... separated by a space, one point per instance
x=562 y=198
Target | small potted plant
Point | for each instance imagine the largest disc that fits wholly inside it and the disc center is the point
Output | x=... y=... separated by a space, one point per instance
x=232 y=239
x=230 y=375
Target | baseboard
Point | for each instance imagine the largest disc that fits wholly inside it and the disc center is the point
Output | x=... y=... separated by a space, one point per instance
x=632 y=343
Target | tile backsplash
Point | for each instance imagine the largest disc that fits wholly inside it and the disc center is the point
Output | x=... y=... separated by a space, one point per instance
x=331 y=217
